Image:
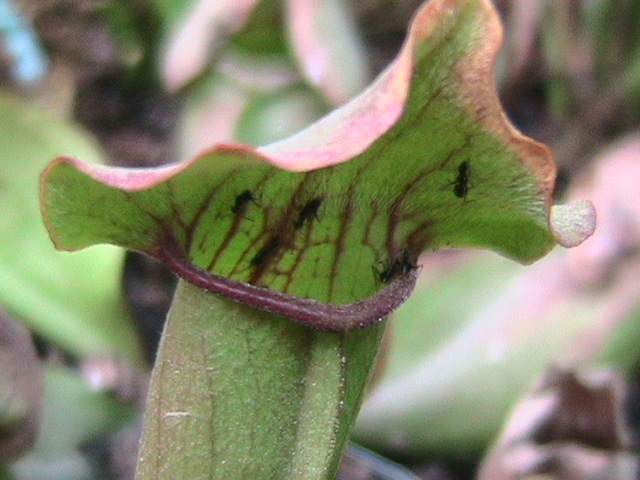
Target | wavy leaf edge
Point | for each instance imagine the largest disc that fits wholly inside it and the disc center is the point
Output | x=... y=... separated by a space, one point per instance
x=342 y=135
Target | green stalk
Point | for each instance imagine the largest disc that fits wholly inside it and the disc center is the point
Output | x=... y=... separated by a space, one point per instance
x=238 y=393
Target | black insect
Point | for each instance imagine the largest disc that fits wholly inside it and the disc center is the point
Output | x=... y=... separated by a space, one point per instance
x=461 y=183
x=268 y=250
x=401 y=265
x=308 y=212
x=242 y=202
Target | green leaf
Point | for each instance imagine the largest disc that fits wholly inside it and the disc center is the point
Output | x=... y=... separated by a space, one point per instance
x=313 y=228
x=396 y=154
x=73 y=301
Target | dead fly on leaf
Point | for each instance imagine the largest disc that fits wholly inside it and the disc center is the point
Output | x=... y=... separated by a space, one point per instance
x=402 y=265
x=267 y=251
x=308 y=212
x=461 y=183
x=242 y=202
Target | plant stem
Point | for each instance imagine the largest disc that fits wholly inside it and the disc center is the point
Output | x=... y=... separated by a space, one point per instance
x=239 y=393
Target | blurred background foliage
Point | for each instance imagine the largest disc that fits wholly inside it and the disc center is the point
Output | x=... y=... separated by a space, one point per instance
x=148 y=82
